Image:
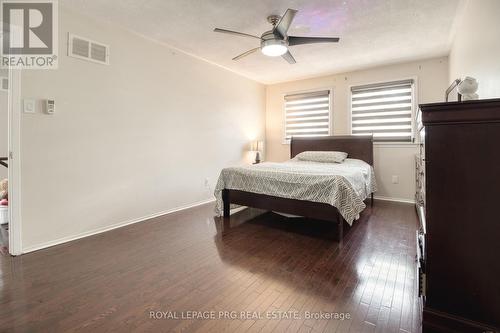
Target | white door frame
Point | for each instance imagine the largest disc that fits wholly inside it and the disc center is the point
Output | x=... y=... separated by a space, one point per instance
x=14 y=142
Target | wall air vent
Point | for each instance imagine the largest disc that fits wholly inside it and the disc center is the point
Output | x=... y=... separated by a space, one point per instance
x=86 y=49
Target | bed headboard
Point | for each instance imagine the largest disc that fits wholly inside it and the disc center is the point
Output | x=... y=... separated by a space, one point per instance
x=359 y=147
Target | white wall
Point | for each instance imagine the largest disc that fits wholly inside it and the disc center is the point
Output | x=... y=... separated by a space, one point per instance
x=390 y=159
x=134 y=138
x=3 y=125
x=476 y=46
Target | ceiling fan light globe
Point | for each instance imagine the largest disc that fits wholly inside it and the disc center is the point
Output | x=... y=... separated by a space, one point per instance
x=274 y=48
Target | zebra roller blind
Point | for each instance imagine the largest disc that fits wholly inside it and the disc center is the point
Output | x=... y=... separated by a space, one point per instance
x=307 y=114
x=384 y=110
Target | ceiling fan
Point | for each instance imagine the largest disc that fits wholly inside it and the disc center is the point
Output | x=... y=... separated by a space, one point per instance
x=275 y=42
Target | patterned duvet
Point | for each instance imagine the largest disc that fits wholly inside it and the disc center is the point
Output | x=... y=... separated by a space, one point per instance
x=342 y=185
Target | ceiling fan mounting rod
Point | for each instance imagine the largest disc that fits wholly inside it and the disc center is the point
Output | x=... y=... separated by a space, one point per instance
x=273 y=19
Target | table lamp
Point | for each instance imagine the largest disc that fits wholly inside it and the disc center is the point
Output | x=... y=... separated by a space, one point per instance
x=256 y=146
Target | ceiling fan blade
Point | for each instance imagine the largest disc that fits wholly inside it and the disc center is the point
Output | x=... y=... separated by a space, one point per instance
x=231 y=32
x=246 y=53
x=294 y=40
x=289 y=57
x=285 y=22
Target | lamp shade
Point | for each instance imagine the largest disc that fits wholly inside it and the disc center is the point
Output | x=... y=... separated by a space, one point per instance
x=256 y=146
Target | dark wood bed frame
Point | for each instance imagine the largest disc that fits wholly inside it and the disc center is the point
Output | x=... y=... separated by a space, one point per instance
x=359 y=147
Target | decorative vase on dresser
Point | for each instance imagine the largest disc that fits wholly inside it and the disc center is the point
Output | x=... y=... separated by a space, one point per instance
x=458 y=186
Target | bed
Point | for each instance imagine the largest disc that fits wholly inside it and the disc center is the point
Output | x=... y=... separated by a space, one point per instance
x=333 y=192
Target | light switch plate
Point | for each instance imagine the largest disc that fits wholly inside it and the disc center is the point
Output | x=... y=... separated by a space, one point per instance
x=29 y=106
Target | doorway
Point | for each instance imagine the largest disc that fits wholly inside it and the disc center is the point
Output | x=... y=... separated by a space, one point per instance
x=10 y=172
x=4 y=161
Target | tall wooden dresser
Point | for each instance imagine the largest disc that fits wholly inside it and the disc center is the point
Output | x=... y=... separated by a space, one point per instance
x=458 y=196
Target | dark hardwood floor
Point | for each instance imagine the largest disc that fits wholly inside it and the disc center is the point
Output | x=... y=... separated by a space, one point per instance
x=189 y=261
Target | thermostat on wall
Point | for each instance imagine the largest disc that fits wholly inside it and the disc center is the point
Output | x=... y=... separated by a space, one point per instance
x=50 y=106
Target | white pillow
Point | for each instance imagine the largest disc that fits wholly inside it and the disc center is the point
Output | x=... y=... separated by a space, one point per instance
x=323 y=156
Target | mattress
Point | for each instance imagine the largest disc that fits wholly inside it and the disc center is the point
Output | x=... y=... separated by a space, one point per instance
x=343 y=185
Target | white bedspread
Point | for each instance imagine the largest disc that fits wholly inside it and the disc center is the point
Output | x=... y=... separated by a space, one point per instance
x=342 y=185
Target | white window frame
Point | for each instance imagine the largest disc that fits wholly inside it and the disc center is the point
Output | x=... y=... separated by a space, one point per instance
x=286 y=141
x=415 y=103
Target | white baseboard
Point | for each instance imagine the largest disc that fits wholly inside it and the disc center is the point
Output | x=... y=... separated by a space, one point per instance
x=110 y=227
x=410 y=201
x=151 y=216
x=236 y=210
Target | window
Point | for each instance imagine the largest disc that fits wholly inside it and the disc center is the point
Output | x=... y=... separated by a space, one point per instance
x=384 y=110
x=307 y=114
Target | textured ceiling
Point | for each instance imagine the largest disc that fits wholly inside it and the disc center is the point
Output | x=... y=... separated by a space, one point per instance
x=372 y=32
